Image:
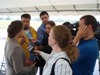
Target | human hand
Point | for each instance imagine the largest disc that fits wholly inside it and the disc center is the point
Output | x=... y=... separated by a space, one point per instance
x=38 y=47
x=28 y=62
x=33 y=64
x=34 y=40
x=22 y=40
x=82 y=31
x=37 y=51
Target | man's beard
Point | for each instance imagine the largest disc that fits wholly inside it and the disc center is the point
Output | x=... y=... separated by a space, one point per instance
x=25 y=28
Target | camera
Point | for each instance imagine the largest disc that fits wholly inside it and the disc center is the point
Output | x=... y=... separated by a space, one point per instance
x=73 y=27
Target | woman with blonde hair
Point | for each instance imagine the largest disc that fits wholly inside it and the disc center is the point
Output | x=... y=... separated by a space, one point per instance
x=63 y=53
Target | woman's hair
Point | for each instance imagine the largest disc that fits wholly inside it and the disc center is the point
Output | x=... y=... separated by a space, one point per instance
x=64 y=39
x=51 y=23
x=15 y=27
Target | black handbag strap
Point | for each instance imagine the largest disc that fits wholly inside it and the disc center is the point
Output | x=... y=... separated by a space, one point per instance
x=52 y=70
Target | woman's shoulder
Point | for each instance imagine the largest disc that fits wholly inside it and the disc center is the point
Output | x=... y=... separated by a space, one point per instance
x=62 y=61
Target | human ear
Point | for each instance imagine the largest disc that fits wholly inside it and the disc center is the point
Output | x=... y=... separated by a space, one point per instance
x=54 y=42
x=89 y=26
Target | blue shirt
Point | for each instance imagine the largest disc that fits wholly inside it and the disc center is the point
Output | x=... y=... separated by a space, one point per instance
x=85 y=64
x=41 y=32
x=29 y=35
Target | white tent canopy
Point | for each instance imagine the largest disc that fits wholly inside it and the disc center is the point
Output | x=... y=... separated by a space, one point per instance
x=55 y=7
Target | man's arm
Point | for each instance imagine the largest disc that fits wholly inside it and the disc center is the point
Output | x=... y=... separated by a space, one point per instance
x=82 y=30
x=76 y=40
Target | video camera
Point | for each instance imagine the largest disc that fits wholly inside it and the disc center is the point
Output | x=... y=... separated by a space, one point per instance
x=73 y=28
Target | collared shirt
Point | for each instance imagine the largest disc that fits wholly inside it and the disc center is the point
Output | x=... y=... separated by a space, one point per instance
x=28 y=34
x=62 y=66
x=41 y=32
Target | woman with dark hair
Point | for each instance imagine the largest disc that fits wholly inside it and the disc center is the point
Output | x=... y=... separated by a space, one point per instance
x=45 y=47
x=14 y=54
x=63 y=53
x=49 y=26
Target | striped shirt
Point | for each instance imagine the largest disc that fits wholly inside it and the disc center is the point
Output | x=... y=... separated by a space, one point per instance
x=61 y=67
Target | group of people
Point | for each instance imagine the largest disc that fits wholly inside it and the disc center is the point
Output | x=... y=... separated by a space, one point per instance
x=55 y=49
